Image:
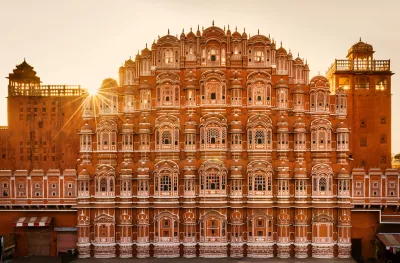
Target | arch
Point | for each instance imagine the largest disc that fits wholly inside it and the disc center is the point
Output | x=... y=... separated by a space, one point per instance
x=259 y=133
x=213 y=132
x=260 y=227
x=213 y=177
x=321 y=135
x=259 y=89
x=322 y=180
x=166 y=175
x=167 y=133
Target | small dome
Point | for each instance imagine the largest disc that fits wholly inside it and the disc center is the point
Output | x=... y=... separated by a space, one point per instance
x=146 y=51
x=282 y=124
x=145 y=85
x=343 y=173
x=281 y=51
x=298 y=89
x=108 y=84
x=244 y=35
x=154 y=45
x=236 y=35
x=361 y=47
x=319 y=82
x=84 y=174
x=190 y=127
x=137 y=58
x=129 y=63
x=236 y=83
x=86 y=129
x=191 y=35
x=127 y=128
x=282 y=83
x=236 y=126
x=342 y=127
x=129 y=90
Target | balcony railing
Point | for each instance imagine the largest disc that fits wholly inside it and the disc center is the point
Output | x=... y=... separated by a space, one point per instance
x=47 y=90
x=359 y=65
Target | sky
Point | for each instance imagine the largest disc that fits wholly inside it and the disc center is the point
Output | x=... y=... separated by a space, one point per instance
x=83 y=42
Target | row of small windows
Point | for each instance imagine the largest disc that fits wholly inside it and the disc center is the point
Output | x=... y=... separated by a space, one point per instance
x=214 y=92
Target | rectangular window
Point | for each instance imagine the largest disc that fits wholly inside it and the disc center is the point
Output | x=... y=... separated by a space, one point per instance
x=363 y=142
x=363 y=123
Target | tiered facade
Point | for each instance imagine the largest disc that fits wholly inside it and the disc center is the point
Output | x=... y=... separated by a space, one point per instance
x=217 y=144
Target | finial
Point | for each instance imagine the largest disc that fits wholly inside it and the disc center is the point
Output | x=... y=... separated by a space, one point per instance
x=138 y=51
x=249 y=35
x=224 y=28
x=129 y=57
x=236 y=29
x=183 y=30
x=306 y=61
x=258 y=31
x=298 y=54
x=24 y=59
x=360 y=39
x=281 y=43
x=198 y=27
x=146 y=45
x=228 y=26
x=158 y=36
x=190 y=29
x=154 y=41
x=168 y=31
x=244 y=30
x=213 y=22
x=319 y=73
x=269 y=35
x=202 y=28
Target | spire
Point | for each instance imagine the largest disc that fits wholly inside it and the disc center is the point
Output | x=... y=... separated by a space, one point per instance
x=183 y=30
x=235 y=28
x=360 y=39
x=168 y=31
x=190 y=29
x=244 y=30
x=224 y=28
x=146 y=45
x=198 y=27
x=281 y=43
x=298 y=54
x=258 y=31
x=213 y=22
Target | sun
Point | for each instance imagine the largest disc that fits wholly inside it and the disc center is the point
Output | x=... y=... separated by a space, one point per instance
x=93 y=90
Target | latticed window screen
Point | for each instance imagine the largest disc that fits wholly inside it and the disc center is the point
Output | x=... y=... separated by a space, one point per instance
x=212 y=181
x=165 y=183
x=213 y=136
x=259 y=183
x=259 y=137
x=322 y=184
x=166 y=137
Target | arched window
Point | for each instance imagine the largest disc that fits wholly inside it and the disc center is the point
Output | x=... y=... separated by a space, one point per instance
x=166 y=178
x=322 y=177
x=213 y=132
x=212 y=178
x=167 y=133
x=213 y=227
x=321 y=132
x=259 y=92
x=260 y=178
x=259 y=132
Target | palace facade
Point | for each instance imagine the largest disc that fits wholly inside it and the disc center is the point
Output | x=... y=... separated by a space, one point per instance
x=212 y=144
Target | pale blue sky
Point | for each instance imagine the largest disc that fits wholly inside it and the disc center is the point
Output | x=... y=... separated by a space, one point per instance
x=83 y=42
